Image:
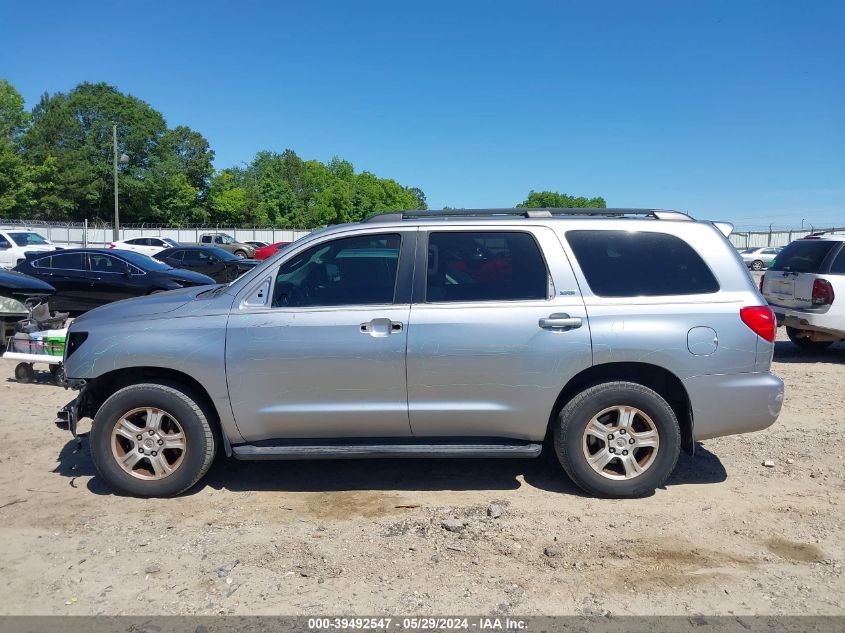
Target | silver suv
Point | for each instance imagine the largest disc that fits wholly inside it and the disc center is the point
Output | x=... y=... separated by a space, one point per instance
x=615 y=337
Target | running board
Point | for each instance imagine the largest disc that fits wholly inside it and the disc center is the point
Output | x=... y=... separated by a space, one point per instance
x=369 y=451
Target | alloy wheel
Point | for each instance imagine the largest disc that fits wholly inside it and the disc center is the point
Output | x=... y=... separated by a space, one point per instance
x=620 y=442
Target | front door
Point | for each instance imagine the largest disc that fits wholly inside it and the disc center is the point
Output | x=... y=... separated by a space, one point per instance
x=316 y=348
x=498 y=327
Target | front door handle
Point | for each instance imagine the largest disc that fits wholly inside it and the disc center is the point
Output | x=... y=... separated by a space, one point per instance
x=560 y=321
x=381 y=327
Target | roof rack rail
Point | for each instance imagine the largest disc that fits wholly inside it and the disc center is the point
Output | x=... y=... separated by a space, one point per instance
x=395 y=216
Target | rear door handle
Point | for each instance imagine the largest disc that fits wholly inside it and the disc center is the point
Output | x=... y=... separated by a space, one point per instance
x=381 y=327
x=560 y=321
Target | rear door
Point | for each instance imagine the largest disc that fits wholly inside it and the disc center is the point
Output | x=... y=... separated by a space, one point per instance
x=498 y=327
x=316 y=347
x=789 y=281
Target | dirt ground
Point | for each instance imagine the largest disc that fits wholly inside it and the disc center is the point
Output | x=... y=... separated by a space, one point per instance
x=727 y=535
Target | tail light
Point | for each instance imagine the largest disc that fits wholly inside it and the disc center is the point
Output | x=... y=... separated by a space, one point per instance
x=761 y=319
x=112 y=245
x=822 y=293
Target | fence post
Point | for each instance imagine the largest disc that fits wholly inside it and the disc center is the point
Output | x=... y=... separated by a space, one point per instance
x=85 y=233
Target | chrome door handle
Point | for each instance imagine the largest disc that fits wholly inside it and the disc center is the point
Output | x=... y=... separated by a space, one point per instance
x=560 y=321
x=381 y=327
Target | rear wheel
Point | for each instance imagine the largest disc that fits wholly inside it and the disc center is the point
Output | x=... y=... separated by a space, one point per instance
x=757 y=265
x=151 y=440
x=24 y=372
x=617 y=439
x=794 y=335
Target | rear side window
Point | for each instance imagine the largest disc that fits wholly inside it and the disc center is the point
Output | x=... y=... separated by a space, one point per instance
x=803 y=256
x=68 y=261
x=485 y=266
x=640 y=264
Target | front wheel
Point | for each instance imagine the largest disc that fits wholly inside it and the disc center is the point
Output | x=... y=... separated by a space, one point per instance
x=151 y=440
x=241 y=254
x=805 y=343
x=757 y=265
x=617 y=439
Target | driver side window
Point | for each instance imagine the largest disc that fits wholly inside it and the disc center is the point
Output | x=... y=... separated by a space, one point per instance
x=359 y=270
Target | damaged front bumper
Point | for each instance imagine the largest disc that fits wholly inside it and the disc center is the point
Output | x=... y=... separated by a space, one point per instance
x=68 y=417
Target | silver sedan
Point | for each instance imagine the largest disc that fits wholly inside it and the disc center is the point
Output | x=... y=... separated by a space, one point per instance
x=759 y=257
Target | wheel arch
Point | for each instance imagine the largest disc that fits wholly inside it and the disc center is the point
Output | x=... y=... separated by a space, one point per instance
x=99 y=389
x=661 y=380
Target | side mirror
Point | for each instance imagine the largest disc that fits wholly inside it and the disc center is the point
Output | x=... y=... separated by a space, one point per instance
x=211 y=261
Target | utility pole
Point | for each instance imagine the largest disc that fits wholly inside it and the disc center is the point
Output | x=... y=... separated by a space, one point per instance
x=116 y=232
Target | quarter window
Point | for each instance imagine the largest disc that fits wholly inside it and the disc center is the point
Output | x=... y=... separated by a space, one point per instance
x=358 y=270
x=640 y=264
x=485 y=266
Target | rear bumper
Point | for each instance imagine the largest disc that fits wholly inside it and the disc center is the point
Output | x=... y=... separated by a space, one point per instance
x=805 y=320
x=733 y=403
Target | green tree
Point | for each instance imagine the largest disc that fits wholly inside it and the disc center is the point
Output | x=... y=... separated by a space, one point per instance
x=76 y=129
x=555 y=200
x=13 y=117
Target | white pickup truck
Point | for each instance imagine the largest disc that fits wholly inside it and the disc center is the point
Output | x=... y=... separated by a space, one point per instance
x=15 y=242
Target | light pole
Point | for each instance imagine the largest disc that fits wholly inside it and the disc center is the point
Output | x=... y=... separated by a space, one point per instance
x=123 y=160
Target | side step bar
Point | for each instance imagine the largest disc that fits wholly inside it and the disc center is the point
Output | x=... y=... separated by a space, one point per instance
x=369 y=451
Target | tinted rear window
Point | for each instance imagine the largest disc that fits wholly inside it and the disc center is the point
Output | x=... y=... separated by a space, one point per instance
x=803 y=256
x=640 y=264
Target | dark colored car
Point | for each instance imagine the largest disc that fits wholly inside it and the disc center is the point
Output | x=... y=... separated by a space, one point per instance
x=85 y=278
x=269 y=251
x=218 y=264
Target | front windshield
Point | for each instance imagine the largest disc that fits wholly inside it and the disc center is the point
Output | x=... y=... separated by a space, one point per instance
x=143 y=262
x=227 y=239
x=28 y=239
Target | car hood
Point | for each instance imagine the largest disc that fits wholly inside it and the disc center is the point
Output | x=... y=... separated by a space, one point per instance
x=12 y=282
x=150 y=305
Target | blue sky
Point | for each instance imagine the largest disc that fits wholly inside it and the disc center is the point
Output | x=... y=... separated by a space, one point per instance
x=729 y=110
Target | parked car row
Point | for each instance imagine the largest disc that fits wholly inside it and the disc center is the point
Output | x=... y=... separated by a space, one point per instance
x=85 y=278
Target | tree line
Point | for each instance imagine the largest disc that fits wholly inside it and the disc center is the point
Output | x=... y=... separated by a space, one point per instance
x=56 y=164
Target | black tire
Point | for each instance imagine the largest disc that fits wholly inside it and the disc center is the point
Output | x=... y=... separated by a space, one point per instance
x=568 y=439
x=58 y=373
x=24 y=372
x=757 y=264
x=201 y=444
x=241 y=254
x=805 y=343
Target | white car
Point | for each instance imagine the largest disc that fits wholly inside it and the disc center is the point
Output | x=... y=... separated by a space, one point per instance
x=758 y=258
x=146 y=245
x=15 y=242
x=805 y=287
